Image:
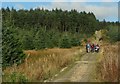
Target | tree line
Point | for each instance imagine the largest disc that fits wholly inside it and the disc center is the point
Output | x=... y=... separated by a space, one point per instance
x=41 y=28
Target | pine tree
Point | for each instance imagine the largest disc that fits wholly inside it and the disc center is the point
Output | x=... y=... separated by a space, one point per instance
x=65 y=42
x=40 y=40
x=27 y=42
x=75 y=41
x=11 y=49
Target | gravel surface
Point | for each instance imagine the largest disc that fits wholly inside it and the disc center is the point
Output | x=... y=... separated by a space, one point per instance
x=83 y=71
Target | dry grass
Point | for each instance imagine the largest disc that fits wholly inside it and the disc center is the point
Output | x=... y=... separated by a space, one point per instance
x=108 y=66
x=43 y=64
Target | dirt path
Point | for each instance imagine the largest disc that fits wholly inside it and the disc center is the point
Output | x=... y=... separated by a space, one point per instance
x=83 y=71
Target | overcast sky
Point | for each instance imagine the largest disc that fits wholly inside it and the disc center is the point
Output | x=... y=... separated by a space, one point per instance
x=103 y=9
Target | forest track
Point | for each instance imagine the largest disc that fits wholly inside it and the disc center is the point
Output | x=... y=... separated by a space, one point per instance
x=83 y=71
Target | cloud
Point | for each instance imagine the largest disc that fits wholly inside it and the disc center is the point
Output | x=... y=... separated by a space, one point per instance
x=107 y=0
x=69 y=0
x=84 y=0
x=101 y=11
x=19 y=6
x=59 y=0
x=25 y=0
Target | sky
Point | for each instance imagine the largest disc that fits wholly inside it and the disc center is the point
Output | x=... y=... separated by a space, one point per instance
x=103 y=9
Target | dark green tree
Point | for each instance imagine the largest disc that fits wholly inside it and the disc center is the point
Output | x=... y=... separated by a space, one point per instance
x=27 y=42
x=75 y=41
x=65 y=42
x=33 y=27
x=40 y=39
x=11 y=49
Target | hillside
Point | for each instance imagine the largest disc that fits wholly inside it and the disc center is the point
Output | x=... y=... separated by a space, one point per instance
x=39 y=44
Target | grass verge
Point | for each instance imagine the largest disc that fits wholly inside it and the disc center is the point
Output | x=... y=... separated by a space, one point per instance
x=42 y=65
x=108 y=65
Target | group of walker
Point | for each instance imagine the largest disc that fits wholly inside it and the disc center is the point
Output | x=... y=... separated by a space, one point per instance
x=92 y=48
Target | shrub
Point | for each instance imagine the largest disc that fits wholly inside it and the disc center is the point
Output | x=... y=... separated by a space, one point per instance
x=75 y=41
x=14 y=77
x=65 y=42
x=52 y=39
x=40 y=39
x=28 y=42
x=113 y=33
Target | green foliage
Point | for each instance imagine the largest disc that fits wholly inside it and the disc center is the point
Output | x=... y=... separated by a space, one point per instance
x=53 y=37
x=15 y=77
x=40 y=39
x=113 y=33
x=75 y=41
x=71 y=21
x=85 y=40
x=27 y=42
x=65 y=42
x=11 y=49
x=39 y=28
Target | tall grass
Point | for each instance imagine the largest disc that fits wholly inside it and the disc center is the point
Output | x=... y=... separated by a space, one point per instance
x=43 y=64
x=108 y=66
